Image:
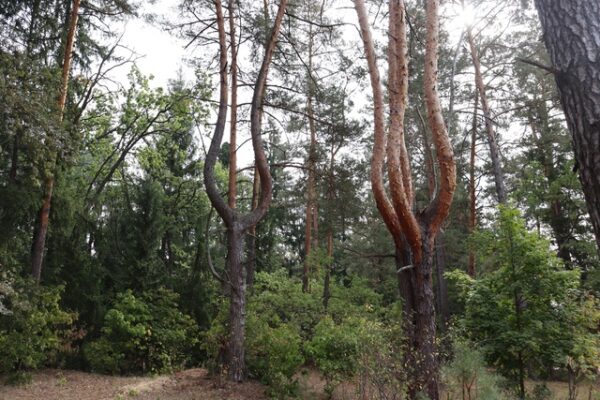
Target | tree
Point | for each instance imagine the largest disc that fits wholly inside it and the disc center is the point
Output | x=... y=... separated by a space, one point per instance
x=39 y=241
x=522 y=310
x=237 y=224
x=413 y=233
x=571 y=35
x=489 y=123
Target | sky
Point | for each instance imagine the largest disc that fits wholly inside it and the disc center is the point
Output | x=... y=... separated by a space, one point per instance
x=161 y=54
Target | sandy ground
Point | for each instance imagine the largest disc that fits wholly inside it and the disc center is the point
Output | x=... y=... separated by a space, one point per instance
x=193 y=384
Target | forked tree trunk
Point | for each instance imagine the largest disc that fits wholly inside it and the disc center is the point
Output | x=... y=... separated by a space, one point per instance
x=40 y=233
x=572 y=37
x=237 y=224
x=413 y=232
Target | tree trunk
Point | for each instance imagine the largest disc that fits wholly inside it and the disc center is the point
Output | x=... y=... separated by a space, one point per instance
x=472 y=196
x=572 y=385
x=251 y=242
x=572 y=37
x=441 y=286
x=414 y=232
x=232 y=184
x=311 y=232
x=39 y=240
x=326 y=282
x=237 y=224
x=419 y=324
x=237 y=303
x=489 y=125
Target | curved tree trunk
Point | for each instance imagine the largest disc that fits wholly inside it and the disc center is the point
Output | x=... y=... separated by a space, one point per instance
x=572 y=37
x=237 y=224
x=413 y=232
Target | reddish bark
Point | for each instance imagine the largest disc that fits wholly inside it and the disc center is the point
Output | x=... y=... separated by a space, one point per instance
x=41 y=231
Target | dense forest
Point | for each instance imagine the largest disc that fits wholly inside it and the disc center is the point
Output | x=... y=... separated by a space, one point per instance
x=398 y=197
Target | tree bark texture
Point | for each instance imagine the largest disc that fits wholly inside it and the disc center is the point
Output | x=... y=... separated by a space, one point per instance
x=489 y=123
x=571 y=31
x=237 y=304
x=40 y=233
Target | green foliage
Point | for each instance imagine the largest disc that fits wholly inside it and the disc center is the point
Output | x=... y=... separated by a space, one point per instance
x=143 y=334
x=339 y=351
x=467 y=375
x=280 y=300
x=274 y=354
x=34 y=330
x=521 y=311
x=541 y=392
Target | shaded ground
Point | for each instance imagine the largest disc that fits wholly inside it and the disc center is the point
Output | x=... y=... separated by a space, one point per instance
x=193 y=384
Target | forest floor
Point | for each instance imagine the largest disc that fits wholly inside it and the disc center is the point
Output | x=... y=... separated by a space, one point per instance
x=192 y=384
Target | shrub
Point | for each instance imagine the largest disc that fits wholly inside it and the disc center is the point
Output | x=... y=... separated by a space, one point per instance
x=279 y=300
x=274 y=354
x=33 y=327
x=143 y=334
x=466 y=376
x=339 y=350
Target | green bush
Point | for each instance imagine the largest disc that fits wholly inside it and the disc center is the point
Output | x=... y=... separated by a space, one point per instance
x=279 y=300
x=33 y=328
x=274 y=355
x=339 y=350
x=143 y=334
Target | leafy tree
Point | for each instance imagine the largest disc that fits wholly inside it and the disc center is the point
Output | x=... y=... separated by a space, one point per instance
x=520 y=310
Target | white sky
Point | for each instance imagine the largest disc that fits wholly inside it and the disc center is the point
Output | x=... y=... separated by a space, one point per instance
x=162 y=54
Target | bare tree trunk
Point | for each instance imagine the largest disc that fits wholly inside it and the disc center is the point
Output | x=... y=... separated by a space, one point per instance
x=327 y=283
x=311 y=230
x=237 y=224
x=472 y=197
x=489 y=125
x=39 y=240
x=237 y=304
x=232 y=184
x=251 y=261
x=573 y=42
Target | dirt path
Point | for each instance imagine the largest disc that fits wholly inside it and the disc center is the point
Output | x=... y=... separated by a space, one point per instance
x=193 y=384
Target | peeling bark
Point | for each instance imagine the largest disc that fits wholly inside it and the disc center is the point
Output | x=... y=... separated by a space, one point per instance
x=413 y=232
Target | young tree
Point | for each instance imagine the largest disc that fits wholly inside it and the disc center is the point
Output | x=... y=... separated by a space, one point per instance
x=413 y=233
x=572 y=37
x=237 y=224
